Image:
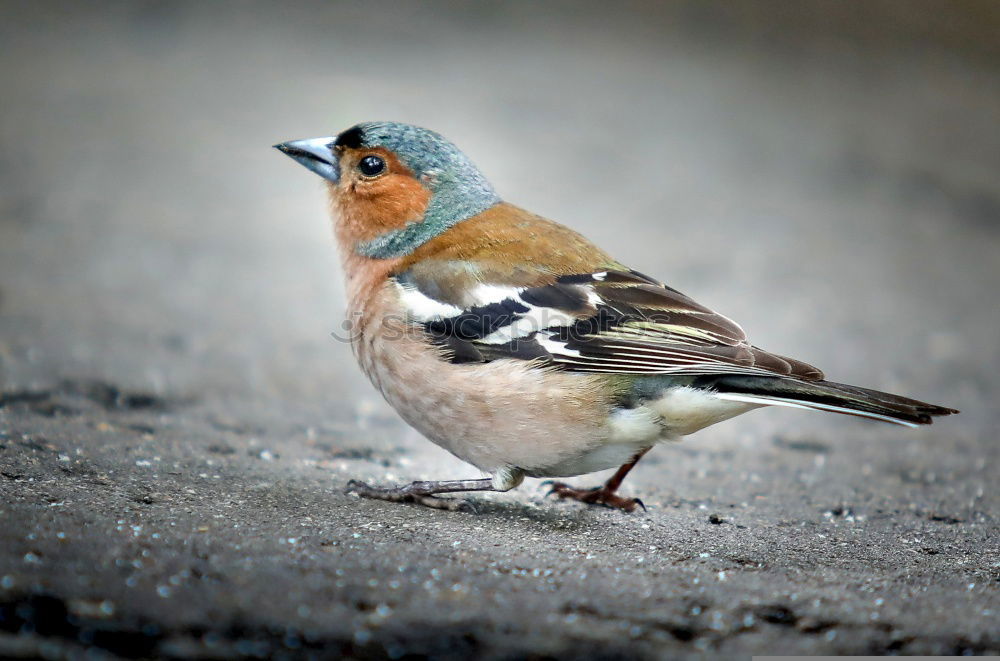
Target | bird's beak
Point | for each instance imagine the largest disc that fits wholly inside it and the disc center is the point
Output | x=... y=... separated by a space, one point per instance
x=316 y=154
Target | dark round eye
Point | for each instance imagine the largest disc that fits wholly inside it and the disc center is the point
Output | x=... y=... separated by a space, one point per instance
x=371 y=166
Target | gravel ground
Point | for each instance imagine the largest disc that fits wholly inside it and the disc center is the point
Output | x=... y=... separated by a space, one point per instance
x=177 y=425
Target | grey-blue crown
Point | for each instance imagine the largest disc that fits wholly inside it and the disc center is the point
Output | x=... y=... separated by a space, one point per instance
x=459 y=190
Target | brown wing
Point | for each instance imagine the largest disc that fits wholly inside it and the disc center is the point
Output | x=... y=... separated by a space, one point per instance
x=611 y=321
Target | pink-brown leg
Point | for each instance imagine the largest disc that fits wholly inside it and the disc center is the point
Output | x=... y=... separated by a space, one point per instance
x=424 y=493
x=603 y=495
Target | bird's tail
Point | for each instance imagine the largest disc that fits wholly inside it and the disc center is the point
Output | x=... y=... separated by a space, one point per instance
x=827 y=396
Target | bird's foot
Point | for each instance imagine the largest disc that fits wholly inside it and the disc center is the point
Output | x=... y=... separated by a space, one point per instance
x=595 y=496
x=406 y=495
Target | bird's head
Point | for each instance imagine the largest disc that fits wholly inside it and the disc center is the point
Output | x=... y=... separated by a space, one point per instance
x=393 y=186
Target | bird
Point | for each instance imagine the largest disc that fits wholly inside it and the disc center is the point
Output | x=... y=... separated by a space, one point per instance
x=521 y=347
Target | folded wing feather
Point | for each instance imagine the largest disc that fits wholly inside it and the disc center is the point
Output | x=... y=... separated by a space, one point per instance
x=611 y=321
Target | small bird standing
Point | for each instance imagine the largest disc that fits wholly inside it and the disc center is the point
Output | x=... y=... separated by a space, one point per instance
x=519 y=346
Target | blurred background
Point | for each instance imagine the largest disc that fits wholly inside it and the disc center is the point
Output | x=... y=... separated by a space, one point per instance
x=826 y=173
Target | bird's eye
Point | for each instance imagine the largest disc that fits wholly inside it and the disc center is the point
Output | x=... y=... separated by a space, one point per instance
x=371 y=166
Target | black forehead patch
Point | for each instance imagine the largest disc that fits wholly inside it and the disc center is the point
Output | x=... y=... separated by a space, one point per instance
x=352 y=138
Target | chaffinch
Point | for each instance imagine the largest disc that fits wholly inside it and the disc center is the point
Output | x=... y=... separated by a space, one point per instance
x=519 y=346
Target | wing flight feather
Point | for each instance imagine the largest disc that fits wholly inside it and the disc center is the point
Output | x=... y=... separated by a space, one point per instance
x=611 y=322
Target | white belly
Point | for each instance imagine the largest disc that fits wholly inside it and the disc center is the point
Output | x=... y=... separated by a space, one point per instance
x=629 y=431
x=684 y=411
x=680 y=411
x=610 y=455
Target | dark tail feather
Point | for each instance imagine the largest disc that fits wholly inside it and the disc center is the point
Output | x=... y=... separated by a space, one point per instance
x=827 y=396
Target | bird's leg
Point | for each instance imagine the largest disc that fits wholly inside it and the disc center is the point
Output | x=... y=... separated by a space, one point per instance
x=423 y=493
x=603 y=495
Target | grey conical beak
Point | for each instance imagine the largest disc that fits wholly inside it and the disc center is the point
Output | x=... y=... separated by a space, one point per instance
x=316 y=154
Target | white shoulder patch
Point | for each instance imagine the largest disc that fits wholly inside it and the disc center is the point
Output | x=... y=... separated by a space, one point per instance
x=424 y=308
x=484 y=294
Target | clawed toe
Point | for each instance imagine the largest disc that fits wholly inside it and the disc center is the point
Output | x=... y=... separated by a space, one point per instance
x=356 y=487
x=594 y=496
x=403 y=495
x=447 y=504
x=359 y=488
x=562 y=489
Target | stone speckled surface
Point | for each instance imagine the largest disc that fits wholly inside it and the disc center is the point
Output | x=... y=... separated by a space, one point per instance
x=176 y=423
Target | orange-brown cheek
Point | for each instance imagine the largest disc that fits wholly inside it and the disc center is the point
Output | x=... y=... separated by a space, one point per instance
x=366 y=209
